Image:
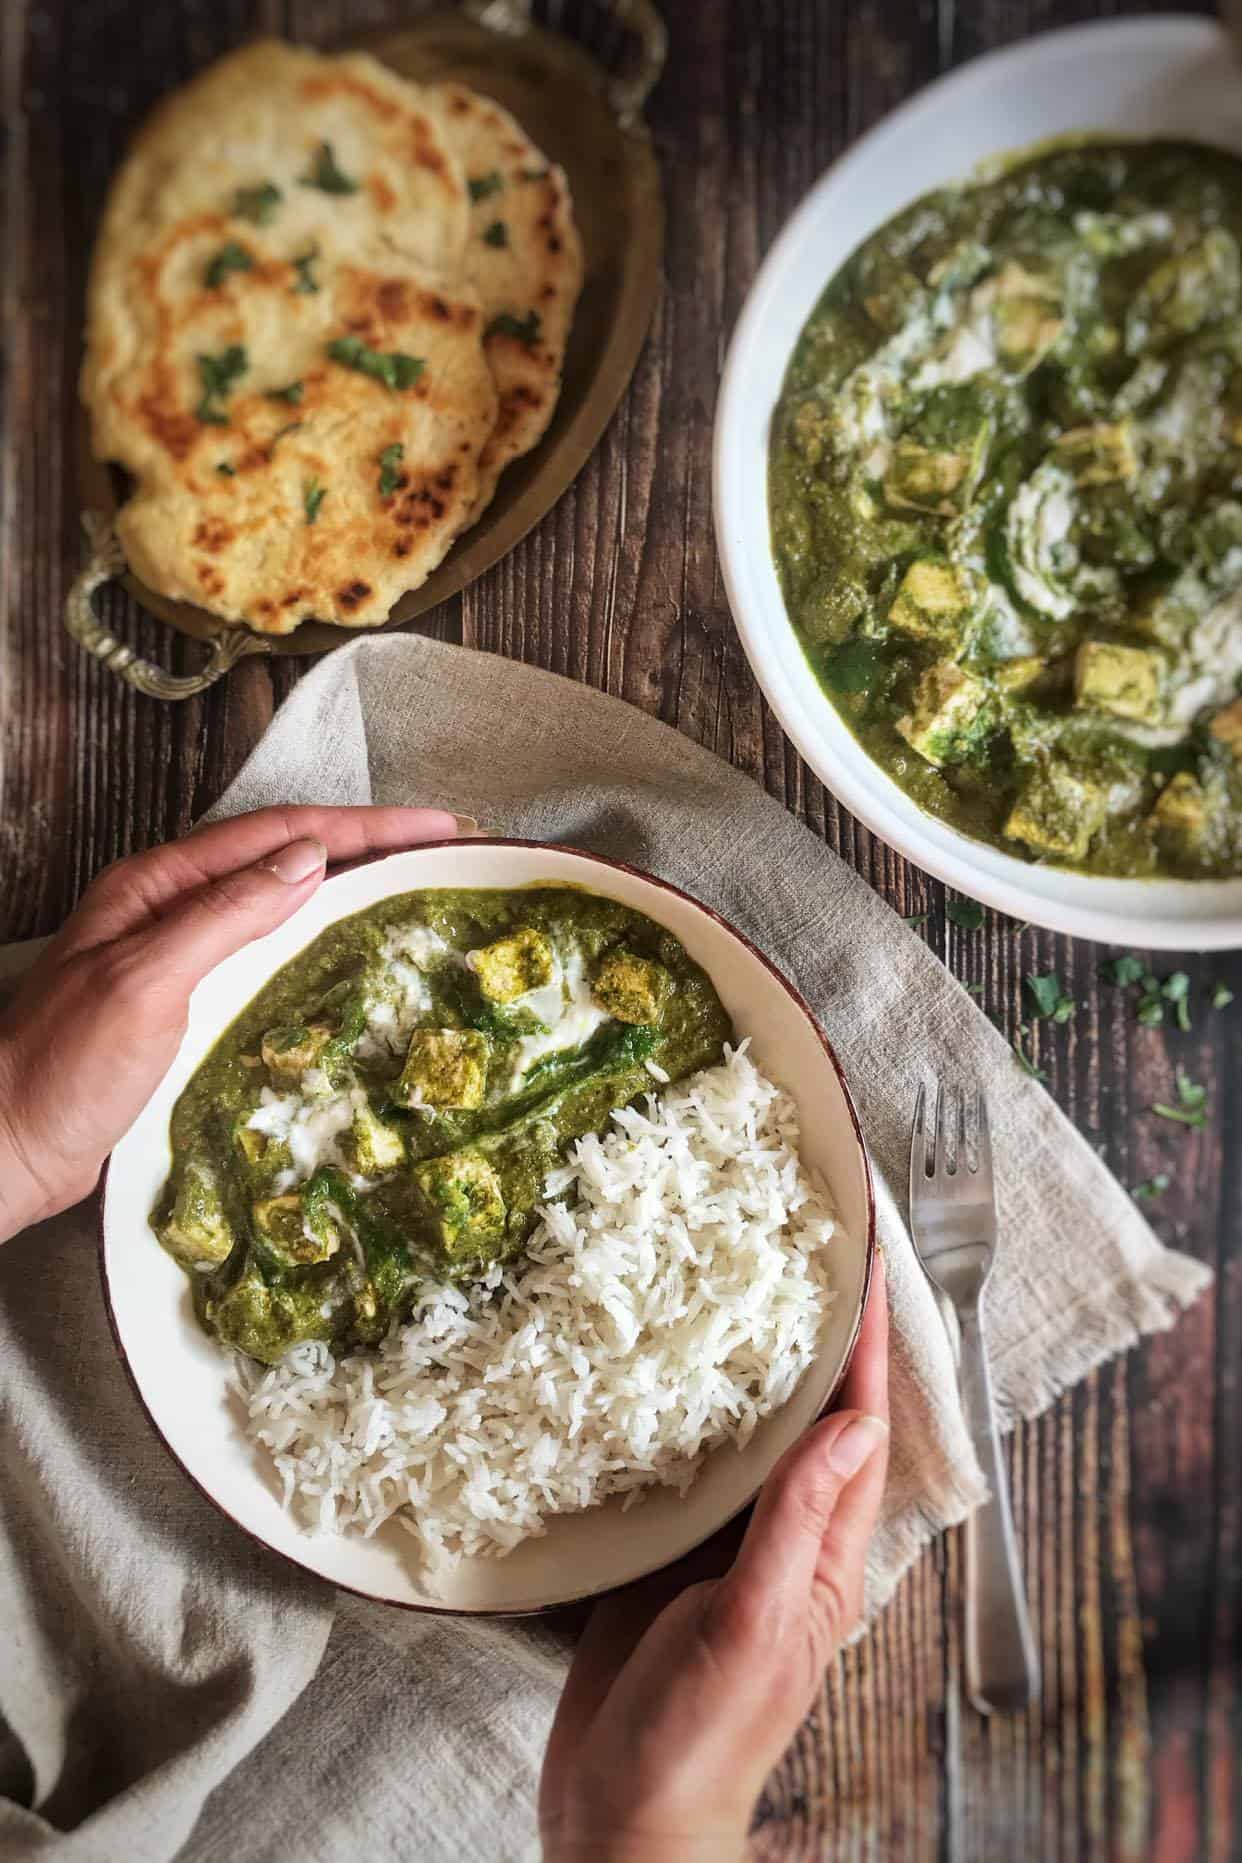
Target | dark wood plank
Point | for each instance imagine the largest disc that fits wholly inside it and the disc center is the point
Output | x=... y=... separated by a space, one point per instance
x=1127 y=1492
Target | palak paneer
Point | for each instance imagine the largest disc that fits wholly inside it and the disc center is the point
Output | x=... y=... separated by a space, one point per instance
x=386 y=1110
x=1006 y=505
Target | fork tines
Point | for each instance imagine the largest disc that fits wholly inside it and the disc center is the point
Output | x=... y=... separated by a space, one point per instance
x=957 y=1130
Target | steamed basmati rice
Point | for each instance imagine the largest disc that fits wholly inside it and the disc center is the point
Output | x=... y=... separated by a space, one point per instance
x=671 y=1300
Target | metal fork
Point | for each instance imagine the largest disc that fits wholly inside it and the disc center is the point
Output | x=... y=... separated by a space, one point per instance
x=953 y=1220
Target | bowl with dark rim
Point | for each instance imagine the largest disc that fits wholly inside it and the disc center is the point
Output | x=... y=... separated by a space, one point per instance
x=187 y=1385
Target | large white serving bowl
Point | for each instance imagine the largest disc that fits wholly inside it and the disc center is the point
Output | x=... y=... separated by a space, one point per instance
x=184 y=1380
x=1162 y=76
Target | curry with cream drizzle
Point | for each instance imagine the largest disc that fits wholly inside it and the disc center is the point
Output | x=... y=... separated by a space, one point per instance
x=386 y=1110
x=1006 y=505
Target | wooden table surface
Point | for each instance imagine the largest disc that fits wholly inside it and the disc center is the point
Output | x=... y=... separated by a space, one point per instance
x=1129 y=1492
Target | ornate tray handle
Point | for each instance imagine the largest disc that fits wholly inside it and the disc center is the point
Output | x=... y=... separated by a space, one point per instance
x=104 y=562
x=626 y=96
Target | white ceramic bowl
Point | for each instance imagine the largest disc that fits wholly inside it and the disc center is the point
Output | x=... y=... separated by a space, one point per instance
x=1162 y=76
x=182 y=1378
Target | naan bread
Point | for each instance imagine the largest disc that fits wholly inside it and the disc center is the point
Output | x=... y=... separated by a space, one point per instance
x=524 y=258
x=283 y=513
x=300 y=332
x=261 y=117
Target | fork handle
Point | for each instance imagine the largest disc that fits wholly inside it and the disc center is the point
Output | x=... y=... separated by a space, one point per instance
x=1002 y=1668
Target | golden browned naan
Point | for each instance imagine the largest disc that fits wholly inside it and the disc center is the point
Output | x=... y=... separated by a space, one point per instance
x=524 y=258
x=263 y=500
x=283 y=513
x=299 y=320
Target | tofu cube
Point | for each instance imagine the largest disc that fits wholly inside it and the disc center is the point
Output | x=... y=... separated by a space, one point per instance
x=262 y=1156
x=1026 y=317
x=1124 y=681
x=465 y=1201
x=444 y=1068
x=947 y=707
x=1102 y=454
x=1180 y=813
x=1016 y=281
x=891 y=294
x=1057 y=813
x=926 y=478
x=1186 y=291
x=632 y=989
x=197 y=1232
x=1226 y=728
x=371 y=1146
x=290 y=1051
x=1025 y=330
x=509 y=968
x=1017 y=675
x=281 y=1224
x=260 y=1150
x=936 y=602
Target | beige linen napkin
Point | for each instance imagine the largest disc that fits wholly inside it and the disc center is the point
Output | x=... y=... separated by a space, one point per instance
x=153 y=1651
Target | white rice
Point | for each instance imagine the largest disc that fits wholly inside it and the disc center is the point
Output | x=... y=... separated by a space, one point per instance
x=672 y=1300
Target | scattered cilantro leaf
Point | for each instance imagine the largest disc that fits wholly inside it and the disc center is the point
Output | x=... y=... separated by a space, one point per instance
x=1157 y=993
x=217 y=375
x=497 y=234
x=1222 y=996
x=965 y=913
x=390 y=468
x=313 y=495
x=1153 y=1188
x=525 y=329
x=1123 y=970
x=258 y=205
x=326 y=175
x=973 y=989
x=916 y=918
x=1150 y=1011
x=1024 y=1060
x=291 y=393
x=306 y=283
x=387 y=366
x=1176 y=990
x=225 y=470
x=1191 y=1108
x=1049 y=999
x=230 y=258
x=482 y=185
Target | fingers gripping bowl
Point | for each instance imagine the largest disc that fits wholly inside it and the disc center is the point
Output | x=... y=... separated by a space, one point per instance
x=193 y=1397
x=1135 y=82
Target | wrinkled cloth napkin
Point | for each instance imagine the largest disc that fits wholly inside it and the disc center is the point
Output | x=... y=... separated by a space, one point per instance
x=169 y=1689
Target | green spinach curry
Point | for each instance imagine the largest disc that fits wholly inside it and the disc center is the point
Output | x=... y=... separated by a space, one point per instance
x=386 y=1110
x=1006 y=505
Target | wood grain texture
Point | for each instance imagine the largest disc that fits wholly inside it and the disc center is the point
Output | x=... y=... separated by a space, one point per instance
x=1128 y=1492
